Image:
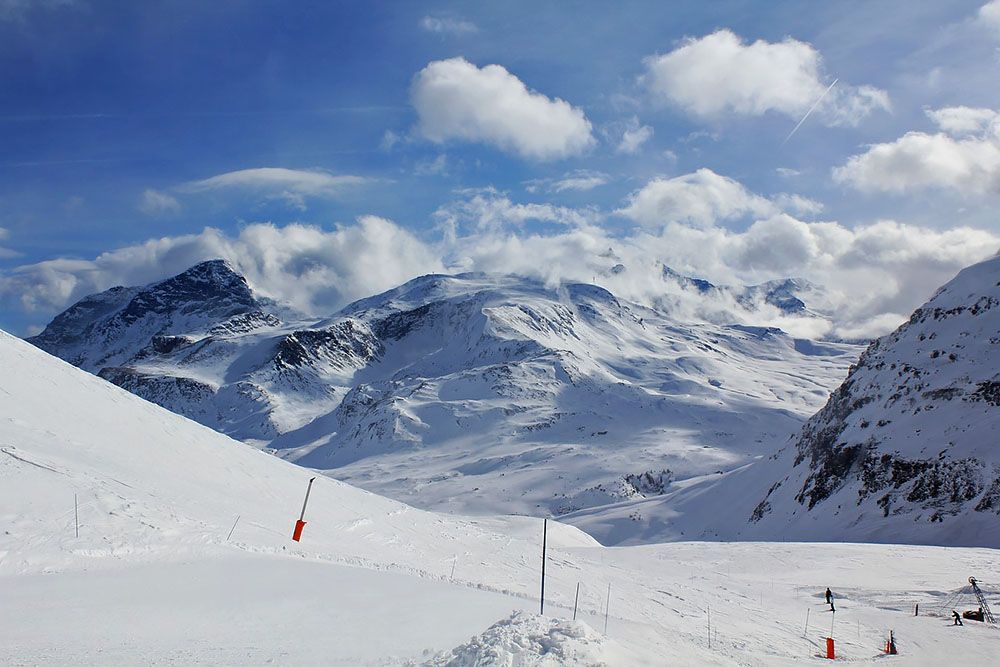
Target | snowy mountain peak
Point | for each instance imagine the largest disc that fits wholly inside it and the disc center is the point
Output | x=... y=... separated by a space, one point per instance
x=212 y=288
x=786 y=294
x=114 y=326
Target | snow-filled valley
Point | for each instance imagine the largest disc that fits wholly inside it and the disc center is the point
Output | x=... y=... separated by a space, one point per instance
x=905 y=450
x=184 y=555
x=471 y=393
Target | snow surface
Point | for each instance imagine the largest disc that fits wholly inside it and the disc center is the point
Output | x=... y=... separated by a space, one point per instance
x=153 y=577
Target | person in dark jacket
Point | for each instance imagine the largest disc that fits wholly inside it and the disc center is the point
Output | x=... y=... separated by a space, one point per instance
x=829 y=596
x=958 y=619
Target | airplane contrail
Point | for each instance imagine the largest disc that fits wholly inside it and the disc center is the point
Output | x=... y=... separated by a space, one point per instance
x=811 y=109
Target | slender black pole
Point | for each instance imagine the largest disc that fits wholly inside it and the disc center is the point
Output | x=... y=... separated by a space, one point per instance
x=576 y=600
x=302 y=517
x=545 y=533
x=233 y=528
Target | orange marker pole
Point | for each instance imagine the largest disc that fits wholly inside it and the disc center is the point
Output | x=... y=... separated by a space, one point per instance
x=300 y=524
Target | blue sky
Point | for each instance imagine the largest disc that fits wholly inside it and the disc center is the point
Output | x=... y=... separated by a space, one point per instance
x=655 y=128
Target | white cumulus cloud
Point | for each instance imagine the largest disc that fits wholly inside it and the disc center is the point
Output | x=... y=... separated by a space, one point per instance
x=963 y=120
x=455 y=100
x=964 y=157
x=700 y=198
x=720 y=73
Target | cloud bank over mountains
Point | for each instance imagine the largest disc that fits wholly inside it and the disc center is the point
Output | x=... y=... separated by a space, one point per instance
x=873 y=274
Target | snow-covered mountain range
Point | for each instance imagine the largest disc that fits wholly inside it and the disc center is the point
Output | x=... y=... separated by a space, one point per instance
x=905 y=450
x=472 y=392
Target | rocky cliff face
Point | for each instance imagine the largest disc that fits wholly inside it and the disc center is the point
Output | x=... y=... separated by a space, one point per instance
x=911 y=436
x=113 y=326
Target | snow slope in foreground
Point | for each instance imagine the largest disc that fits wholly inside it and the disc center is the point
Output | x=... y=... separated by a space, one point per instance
x=152 y=578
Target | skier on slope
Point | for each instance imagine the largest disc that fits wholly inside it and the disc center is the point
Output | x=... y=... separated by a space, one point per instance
x=829 y=599
x=958 y=619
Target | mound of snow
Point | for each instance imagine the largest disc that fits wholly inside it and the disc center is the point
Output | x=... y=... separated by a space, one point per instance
x=530 y=640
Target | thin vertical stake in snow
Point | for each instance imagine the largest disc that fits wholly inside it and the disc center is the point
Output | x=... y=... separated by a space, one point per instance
x=607 y=609
x=709 y=628
x=806 y=631
x=576 y=600
x=76 y=515
x=233 y=528
x=302 y=517
x=301 y=523
x=545 y=531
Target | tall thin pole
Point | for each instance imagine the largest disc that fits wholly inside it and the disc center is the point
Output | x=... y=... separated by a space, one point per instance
x=76 y=515
x=607 y=609
x=806 y=631
x=454 y=562
x=576 y=600
x=832 y=617
x=710 y=628
x=302 y=517
x=233 y=528
x=545 y=532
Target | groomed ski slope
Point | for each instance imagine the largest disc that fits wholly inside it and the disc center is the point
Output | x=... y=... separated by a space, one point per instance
x=153 y=579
